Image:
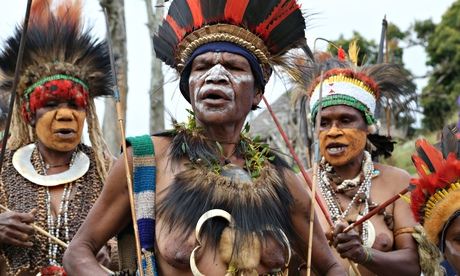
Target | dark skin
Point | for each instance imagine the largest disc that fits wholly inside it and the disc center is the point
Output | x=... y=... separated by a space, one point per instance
x=222 y=93
x=391 y=255
x=452 y=249
x=15 y=227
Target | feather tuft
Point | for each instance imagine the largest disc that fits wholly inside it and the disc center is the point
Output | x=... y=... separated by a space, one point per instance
x=353 y=52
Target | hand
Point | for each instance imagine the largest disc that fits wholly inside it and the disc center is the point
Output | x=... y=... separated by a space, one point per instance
x=349 y=245
x=103 y=256
x=15 y=228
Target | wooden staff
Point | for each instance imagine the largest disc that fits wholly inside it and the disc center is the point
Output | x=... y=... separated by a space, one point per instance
x=17 y=70
x=302 y=170
x=41 y=230
x=315 y=175
x=53 y=238
x=116 y=95
x=379 y=208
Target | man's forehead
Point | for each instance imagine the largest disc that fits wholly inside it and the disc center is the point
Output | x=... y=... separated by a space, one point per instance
x=220 y=56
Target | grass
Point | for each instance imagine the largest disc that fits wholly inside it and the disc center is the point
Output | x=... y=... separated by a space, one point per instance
x=403 y=151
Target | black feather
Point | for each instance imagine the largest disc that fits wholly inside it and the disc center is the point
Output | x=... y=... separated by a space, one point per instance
x=180 y=12
x=290 y=31
x=165 y=43
x=184 y=203
x=213 y=10
x=258 y=11
x=59 y=42
x=449 y=141
x=384 y=146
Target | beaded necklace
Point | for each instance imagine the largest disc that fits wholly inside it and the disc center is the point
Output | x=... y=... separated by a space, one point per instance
x=362 y=194
x=62 y=215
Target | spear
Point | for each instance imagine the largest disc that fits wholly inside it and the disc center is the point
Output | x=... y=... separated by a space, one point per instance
x=116 y=95
x=303 y=172
x=382 y=40
x=17 y=70
x=315 y=175
x=51 y=237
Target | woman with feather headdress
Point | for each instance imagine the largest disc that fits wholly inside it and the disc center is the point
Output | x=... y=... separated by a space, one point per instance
x=50 y=178
x=350 y=183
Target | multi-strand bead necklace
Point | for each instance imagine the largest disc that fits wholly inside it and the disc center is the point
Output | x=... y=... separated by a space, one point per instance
x=361 y=195
x=62 y=219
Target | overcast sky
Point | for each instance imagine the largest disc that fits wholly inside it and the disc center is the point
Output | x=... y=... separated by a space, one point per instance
x=331 y=18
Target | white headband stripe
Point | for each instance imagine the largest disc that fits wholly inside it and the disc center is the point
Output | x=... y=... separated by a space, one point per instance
x=344 y=88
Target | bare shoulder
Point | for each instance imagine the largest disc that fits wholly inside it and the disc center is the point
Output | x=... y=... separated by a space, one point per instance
x=393 y=176
x=162 y=144
x=298 y=189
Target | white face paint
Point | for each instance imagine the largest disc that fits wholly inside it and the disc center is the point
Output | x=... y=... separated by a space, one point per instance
x=221 y=88
x=216 y=84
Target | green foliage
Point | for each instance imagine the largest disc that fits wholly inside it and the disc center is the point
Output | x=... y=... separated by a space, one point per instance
x=443 y=48
x=423 y=29
x=368 y=48
x=401 y=156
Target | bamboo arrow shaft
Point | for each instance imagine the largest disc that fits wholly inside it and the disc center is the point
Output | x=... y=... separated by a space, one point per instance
x=376 y=210
x=53 y=238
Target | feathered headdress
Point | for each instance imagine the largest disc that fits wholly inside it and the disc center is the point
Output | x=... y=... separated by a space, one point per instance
x=359 y=87
x=61 y=59
x=266 y=29
x=436 y=197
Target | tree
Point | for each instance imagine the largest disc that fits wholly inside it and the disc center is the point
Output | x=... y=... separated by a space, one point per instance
x=156 y=91
x=443 y=48
x=110 y=127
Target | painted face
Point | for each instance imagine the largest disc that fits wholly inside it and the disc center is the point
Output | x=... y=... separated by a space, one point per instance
x=59 y=125
x=452 y=249
x=222 y=88
x=343 y=134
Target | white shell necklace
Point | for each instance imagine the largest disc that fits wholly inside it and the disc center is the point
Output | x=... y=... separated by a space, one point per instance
x=363 y=193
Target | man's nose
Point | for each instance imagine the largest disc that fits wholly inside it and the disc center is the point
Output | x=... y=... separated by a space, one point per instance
x=217 y=74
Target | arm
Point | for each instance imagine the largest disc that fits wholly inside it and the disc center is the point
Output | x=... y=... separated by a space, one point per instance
x=403 y=260
x=323 y=261
x=110 y=214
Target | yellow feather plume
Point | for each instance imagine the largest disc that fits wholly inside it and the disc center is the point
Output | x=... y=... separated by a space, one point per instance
x=353 y=51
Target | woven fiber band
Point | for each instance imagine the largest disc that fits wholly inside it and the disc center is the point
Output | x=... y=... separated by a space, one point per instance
x=223 y=32
x=51 y=78
x=144 y=170
x=339 y=99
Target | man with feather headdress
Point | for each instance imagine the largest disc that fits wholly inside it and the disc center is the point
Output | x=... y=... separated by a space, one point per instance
x=50 y=178
x=208 y=198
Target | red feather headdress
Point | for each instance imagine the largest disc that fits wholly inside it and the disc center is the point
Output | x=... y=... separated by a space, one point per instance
x=437 y=192
x=266 y=28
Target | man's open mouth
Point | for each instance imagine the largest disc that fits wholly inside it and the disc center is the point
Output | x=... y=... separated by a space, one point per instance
x=214 y=95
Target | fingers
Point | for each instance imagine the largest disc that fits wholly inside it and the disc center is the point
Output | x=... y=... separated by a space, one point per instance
x=339 y=228
x=15 y=237
x=15 y=228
